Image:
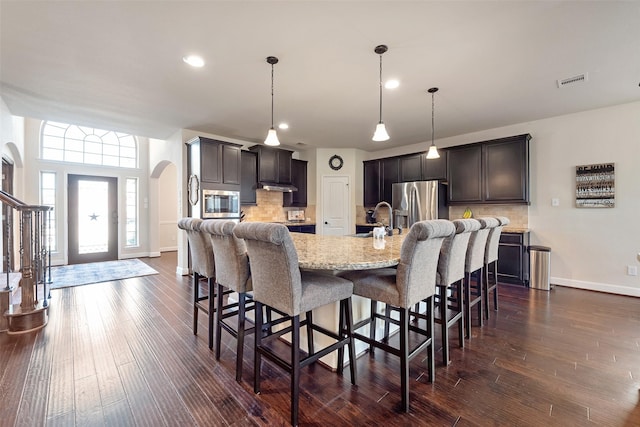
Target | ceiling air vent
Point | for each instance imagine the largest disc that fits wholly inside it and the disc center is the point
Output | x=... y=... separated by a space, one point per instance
x=580 y=78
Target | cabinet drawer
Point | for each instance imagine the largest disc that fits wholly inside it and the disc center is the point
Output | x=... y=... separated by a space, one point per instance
x=513 y=238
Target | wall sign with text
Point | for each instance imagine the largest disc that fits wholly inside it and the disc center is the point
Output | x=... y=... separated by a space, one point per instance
x=595 y=186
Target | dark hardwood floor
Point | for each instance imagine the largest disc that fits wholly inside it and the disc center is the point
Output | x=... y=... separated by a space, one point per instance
x=122 y=354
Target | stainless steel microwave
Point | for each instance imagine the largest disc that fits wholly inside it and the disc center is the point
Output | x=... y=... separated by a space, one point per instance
x=220 y=204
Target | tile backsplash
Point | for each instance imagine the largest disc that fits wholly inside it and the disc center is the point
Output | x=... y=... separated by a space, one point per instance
x=269 y=208
x=517 y=214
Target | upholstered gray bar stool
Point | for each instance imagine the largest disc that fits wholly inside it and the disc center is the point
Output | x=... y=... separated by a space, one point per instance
x=413 y=281
x=474 y=266
x=279 y=283
x=232 y=273
x=202 y=266
x=449 y=282
x=491 y=264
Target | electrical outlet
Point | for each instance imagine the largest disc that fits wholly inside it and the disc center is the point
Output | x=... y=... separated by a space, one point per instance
x=555 y=202
x=632 y=270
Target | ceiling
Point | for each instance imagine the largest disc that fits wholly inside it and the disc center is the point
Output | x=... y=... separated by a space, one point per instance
x=118 y=65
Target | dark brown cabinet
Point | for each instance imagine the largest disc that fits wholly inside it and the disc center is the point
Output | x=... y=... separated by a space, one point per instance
x=513 y=258
x=249 y=177
x=309 y=229
x=506 y=167
x=215 y=162
x=298 y=180
x=465 y=174
x=274 y=164
x=411 y=168
x=390 y=176
x=372 y=181
x=495 y=171
x=435 y=169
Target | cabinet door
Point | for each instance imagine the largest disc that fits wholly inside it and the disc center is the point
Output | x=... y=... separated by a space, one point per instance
x=284 y=167
x=299 y=180
x=390 y=176
x=309 y=229
x=230 y=164
x=506 y=171
x=268 y=169
x=435 y=169
x=411 y=168
x=372 y=182
x=464 y=167
x=249 y=179
x=210 y=161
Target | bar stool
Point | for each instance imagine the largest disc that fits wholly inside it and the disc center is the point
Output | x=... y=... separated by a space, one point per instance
x=449 y=282
x=202 y=266
x=491 y=264
x=279 y=283
x=232 y=273
x=474 y=265
x=413 y=281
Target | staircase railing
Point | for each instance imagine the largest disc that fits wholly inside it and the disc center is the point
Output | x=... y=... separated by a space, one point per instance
x=35 y=257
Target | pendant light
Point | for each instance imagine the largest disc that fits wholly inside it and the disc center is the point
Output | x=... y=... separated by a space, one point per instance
x=381 y=132
x=433 y=150
x=272 y=136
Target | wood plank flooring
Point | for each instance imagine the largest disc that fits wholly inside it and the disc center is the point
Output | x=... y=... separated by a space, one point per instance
x=122 y=353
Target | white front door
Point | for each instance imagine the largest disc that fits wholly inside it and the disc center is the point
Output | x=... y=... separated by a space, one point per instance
x=335 y=205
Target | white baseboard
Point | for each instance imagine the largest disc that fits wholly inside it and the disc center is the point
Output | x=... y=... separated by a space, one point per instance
x=154 y=254
x=169 y=249
x=182 y=271
x=594 y=286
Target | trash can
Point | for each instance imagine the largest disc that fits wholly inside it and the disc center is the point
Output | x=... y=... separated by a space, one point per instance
x=540 y=267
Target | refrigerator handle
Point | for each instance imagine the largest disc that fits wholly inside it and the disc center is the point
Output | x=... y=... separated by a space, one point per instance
x=414 y=206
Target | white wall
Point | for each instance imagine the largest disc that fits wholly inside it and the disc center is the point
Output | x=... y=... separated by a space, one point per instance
x=167 y=211
x=590 y=248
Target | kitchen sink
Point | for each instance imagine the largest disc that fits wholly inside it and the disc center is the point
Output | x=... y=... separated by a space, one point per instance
x=369 y=234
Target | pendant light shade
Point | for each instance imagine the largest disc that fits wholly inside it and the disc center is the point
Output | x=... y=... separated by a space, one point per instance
x=272 y=136
x=433 y=150
x=381 y=131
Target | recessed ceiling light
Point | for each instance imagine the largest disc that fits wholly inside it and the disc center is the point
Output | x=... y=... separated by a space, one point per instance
x=283 y=126
x=391 y=84
x=194 y=60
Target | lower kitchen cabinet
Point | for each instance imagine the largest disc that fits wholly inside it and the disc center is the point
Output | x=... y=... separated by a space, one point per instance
x=513 y=258
x=309 y=229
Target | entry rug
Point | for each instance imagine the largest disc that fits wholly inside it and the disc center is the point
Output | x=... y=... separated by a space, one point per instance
x=95 y=272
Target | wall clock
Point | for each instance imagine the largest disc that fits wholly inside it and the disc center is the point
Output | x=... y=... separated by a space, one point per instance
x=335 y=162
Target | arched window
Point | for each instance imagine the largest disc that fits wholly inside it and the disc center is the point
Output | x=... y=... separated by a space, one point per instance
x=91 y=146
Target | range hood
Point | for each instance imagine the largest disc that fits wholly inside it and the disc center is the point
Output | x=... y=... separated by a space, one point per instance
x=283 y=188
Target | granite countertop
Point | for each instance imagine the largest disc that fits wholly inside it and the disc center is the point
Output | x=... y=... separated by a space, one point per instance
x=515 y=230
x=296 y=222
x=322 y=252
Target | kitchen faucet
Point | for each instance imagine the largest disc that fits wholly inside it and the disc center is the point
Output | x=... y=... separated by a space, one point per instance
x=375 y=212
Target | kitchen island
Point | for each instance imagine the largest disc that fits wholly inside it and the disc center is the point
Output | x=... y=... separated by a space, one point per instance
x=342 y=253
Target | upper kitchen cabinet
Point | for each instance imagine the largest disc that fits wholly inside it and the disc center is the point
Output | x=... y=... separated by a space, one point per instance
x=390 y=176
x=274 y=164
x=495 y=171
x=299 y=180
x=465 y=174
x=249 y=178
x=372 y=182
x=214 y=161
x=506 y=167
x=434 y=169
x=411 y=168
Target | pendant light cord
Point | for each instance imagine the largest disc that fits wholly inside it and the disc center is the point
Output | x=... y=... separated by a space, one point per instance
x=271 y=96
x=380 y=88
x=432 y=117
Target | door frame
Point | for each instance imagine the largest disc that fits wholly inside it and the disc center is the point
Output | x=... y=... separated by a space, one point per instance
x=73 y=257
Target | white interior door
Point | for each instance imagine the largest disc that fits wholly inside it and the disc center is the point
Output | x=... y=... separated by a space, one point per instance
x=336 y=212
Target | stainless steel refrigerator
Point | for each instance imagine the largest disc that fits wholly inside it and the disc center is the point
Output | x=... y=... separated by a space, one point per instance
x=418 y=201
